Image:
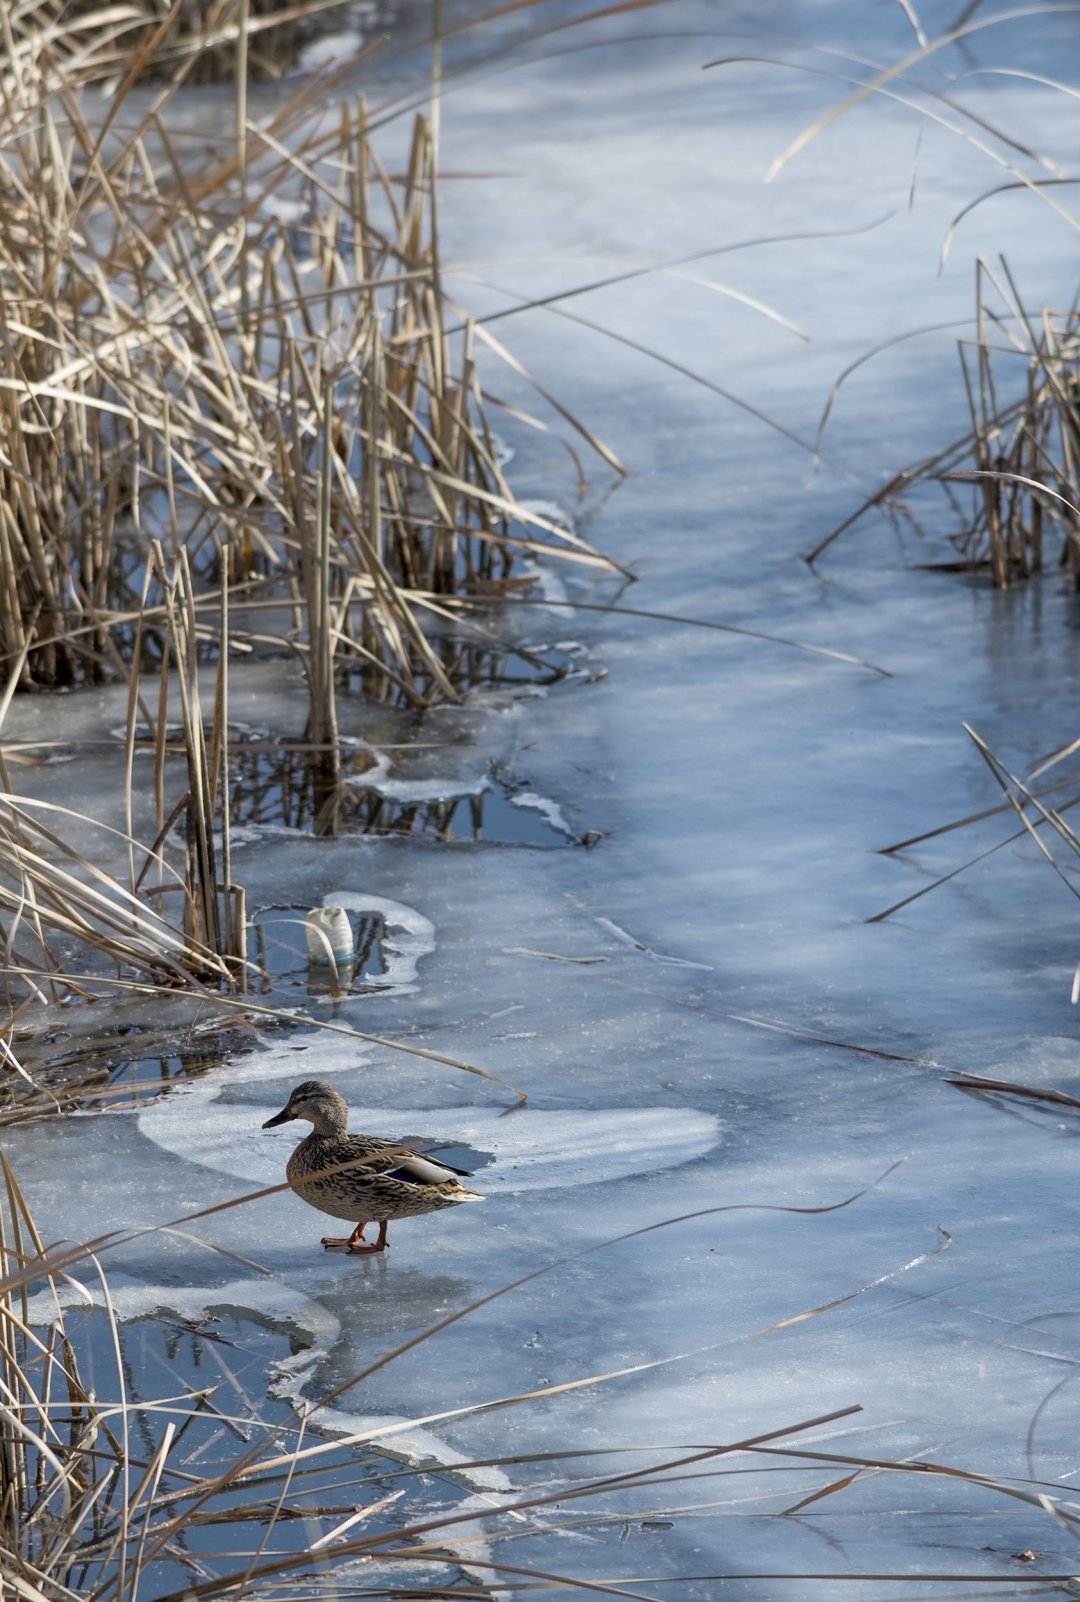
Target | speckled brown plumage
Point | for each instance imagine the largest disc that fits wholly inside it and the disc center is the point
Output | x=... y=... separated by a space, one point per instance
x=404 y=1185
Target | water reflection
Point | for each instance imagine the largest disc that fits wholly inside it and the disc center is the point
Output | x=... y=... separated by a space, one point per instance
x=280 y=949
x=276 y=787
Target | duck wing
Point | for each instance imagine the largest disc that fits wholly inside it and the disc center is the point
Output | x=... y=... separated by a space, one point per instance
x=415 y=1170
x=421 y=1170
x=349 y=1148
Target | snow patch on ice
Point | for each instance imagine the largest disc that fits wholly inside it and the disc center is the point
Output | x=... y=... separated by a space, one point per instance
x=417 y=1447
x=249 y=833
x=504 y=453
x=529 y=801
x=551 y=510
x=133 y=1299
x=422 y=790
x=533 y=1150
x=332 y=47
x=442 y=788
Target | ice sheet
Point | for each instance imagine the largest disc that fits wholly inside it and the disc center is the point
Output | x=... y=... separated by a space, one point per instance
x=744 y=791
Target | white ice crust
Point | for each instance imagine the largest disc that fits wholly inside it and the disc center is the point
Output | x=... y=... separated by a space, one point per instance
x=133 y=1299
x=549 y=810
x=445 y=787
x=533 y=1149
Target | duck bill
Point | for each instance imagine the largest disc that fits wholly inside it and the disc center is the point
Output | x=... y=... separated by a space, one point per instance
x=283 y=1117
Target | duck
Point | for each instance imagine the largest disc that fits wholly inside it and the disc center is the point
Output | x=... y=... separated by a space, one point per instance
x=397 y=1186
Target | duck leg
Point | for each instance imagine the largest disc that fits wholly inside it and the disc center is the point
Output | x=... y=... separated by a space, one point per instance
x=356 y=1249
x=355 y=1239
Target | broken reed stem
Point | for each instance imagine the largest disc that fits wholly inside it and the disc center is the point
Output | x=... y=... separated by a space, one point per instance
x=221 y=762
x=322 y=723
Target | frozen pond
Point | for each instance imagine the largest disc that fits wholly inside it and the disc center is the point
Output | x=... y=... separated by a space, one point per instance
x=672 y=999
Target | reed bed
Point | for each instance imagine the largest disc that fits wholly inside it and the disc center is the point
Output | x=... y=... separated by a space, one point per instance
x=117 y=1064
x=249 y=358
x=197 y=41
x=67 y=916
x=238 y=414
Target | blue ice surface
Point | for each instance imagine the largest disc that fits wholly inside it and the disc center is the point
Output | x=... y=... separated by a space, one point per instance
x=744 y=789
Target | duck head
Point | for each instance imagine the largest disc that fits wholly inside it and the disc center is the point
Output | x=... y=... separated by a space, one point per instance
x=316 y=1103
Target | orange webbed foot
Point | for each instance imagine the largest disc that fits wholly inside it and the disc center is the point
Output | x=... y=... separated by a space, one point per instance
x=358 y=1249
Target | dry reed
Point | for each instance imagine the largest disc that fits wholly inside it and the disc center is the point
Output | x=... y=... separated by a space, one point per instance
x=1028 y=808
x=199 y=39
x=227 y=388
x=1022 y=450
x=248 y=356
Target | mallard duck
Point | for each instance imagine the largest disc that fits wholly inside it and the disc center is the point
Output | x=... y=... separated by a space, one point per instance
x=393 y=1187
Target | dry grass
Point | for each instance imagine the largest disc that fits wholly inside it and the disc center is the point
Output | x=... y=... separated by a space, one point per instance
x=1027 y=807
